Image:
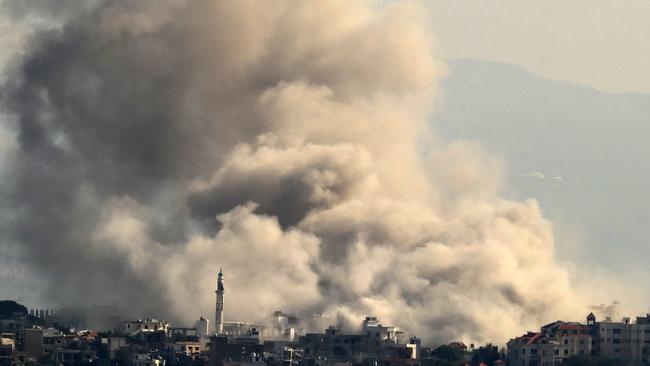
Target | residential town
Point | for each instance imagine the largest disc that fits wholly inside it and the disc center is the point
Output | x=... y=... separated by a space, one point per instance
x=48 y=337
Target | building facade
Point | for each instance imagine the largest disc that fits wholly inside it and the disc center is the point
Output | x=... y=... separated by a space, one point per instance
x=625 y=341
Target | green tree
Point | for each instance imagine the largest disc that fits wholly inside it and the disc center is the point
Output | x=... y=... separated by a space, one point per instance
x=448 y=353
x=487 y=354
x=8 y=308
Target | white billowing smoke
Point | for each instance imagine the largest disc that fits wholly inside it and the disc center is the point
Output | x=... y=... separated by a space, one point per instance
x=288 y=144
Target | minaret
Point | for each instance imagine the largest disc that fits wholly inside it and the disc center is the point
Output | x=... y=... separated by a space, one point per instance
x=218 y=316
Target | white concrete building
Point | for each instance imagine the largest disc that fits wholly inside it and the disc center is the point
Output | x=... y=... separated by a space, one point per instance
x=202 y=327
x=145 y=359
x=626 y=341
x=372 y=328
x=261 y=331
x=415 y=344
x=146 y=325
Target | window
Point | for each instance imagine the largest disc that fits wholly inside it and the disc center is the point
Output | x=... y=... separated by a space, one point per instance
x=616 y=341
x=616 y=330
x=523 y=351
x=533 y=351
x=556 y=352
x=566 y=351
x=566 y=341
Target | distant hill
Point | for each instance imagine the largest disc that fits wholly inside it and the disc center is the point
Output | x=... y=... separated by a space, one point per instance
x=584 y=154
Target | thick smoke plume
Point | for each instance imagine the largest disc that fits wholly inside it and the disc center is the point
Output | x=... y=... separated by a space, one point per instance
x=287 y=143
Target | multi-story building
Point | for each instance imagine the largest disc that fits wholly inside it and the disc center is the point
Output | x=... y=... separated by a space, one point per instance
x=202 y=327
x=183 y=347
x=554 y=343
x=534 y=349
x=33 y=343
x=641 y=340
x=146 y=325
x=373 y=329
x=415 y=345
x=146 y=359
x=625 y=341
x=113 y=344
x=235 y=351
x=7 y=347
x=575 y=340
x=376 y=344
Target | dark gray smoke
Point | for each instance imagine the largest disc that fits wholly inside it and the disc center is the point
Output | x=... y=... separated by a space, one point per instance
x=157 y=141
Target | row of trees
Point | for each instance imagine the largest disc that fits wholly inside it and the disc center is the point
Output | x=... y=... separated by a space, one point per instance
x=446 y=355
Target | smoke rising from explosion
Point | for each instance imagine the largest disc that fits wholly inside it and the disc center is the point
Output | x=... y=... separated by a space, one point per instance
x=287 y=144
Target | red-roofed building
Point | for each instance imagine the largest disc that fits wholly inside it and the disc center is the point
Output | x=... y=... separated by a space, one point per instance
x=625 y=342
x=555 y=342
x=534 y=349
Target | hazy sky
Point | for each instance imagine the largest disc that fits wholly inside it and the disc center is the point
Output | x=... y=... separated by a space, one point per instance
x=600 y=43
